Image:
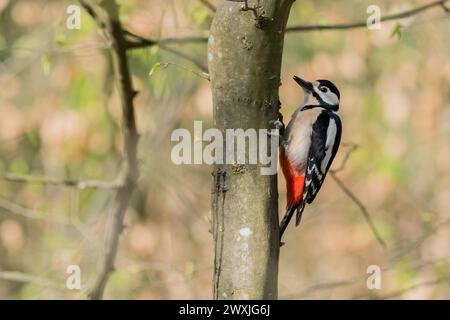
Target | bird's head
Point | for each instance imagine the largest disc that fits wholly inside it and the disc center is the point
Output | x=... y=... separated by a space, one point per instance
x=320 y=92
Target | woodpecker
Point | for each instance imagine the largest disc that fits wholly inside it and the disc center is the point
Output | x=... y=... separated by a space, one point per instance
x=308 y=145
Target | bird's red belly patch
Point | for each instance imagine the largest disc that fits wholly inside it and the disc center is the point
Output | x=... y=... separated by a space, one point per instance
x=295 y=181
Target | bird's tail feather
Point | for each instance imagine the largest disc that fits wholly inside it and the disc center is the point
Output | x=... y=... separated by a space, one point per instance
x=286 y=219
x=300 y=209
x=288 y=216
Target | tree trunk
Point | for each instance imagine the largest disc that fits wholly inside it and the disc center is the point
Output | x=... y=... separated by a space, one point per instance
x=244 y=54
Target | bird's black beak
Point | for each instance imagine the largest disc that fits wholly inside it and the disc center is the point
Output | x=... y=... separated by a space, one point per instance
x=306 y=85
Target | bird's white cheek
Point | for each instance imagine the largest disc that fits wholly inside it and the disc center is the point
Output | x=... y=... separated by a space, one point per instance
x=331 y=99
x=328 y=97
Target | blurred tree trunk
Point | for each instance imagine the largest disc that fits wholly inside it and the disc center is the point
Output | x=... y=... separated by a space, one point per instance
x=244 y=54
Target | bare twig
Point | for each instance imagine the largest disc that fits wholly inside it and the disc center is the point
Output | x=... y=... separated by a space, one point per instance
x=200 y=65
x=130 y=137
x=415 y=244
x=418 y=242
x=351 y=147
x=90 y=10
x=28 y=278
x=141 y=42
x=79 y=184
x=352 y=196
x=428 y=283
x=19 y=210
x=325 y=286
x=135 y=41
x=363 y=23
x=208 y=5
x=350 y=281
x=445 y=8
x=202 y=75
x=362 y=208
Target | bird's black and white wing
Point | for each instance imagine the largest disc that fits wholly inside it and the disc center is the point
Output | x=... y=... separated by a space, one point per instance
x=325 y=140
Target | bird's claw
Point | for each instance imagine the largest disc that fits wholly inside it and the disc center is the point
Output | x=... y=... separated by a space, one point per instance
x=277 y=124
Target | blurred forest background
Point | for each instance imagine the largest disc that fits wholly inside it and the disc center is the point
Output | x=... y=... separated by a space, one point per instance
x=60 y=118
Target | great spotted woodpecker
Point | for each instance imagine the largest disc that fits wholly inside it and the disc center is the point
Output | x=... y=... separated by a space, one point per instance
x=308 y=145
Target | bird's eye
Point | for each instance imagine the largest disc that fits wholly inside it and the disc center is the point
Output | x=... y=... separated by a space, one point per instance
x=323 y=89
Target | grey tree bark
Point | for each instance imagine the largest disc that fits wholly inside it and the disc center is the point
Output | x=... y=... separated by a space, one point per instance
x=244 y=55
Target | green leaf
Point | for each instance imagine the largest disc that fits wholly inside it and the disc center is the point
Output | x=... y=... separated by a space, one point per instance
x=396 y=30
x=45 y=64
x=154 y=67
x=62 y=43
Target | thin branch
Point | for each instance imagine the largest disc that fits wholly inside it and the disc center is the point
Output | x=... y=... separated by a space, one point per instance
x=428 y=283
x=135 y=41
x=352 y=147
x=130 y=137
x=445 y=8
x=352 y=196
x=325 y=286
x=19 y=210
x=141 y=42
x=418 y=242
x=200 y=65
x=28 y=278
x=362 y=208
x=209 y=5
x=78 y=184
x=90 y=10
x=363 y=24
x=410 y=247
x=202 y=75
x=337 y=284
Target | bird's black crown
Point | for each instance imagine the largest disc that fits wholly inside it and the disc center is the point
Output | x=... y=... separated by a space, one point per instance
x=330 y=85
